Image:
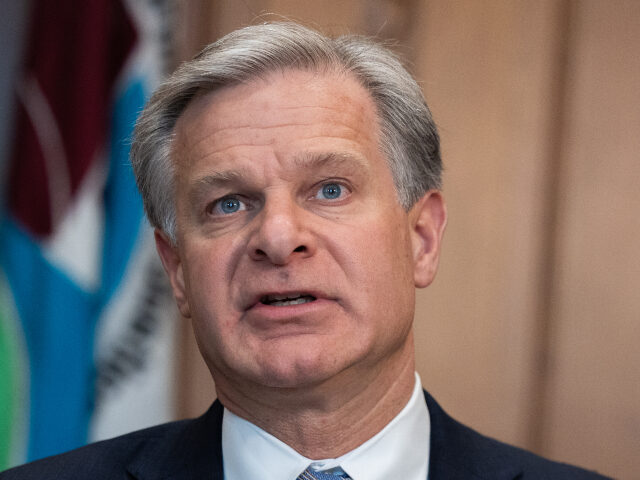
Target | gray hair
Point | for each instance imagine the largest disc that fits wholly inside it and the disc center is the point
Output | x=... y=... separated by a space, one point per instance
x=409 y=139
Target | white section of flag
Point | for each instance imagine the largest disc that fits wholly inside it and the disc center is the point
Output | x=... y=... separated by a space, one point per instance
x=136 y=372
x=143 y=396
x=76 y=244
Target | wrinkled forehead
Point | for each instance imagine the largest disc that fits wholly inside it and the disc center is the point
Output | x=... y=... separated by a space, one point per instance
x=319 y=100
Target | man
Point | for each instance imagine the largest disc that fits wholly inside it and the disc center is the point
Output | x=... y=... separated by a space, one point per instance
x=293 y=182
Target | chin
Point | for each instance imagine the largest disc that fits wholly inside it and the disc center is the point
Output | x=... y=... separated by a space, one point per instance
x=299 y=372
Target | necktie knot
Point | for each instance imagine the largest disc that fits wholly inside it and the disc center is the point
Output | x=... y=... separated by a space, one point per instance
x=331 y=474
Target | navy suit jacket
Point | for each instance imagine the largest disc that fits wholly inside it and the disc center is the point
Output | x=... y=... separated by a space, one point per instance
x=192 y=449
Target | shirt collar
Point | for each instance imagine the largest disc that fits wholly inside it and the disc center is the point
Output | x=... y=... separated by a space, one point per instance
x=399 y=450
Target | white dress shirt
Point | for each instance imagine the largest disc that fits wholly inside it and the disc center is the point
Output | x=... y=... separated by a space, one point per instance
x=399 y=450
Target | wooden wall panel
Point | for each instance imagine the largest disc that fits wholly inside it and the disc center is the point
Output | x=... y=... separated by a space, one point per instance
x=593 y=410
x=489 y=73
x=202 y=21
x=333 y=16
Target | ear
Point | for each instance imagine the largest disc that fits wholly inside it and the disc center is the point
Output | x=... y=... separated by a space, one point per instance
x=428 y=220
x=173 y=266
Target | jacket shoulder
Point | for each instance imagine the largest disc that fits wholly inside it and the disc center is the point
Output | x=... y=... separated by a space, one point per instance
x=458 y=452
x=182 y=449
x=499 y=455
x=106 y=459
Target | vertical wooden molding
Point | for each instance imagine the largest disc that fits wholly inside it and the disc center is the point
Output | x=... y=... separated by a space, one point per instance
x=193 y=27
x=196 y=390
x=555 y=174
x=194 y=387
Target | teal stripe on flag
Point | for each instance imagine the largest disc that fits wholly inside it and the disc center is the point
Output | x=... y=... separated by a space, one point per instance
x=58 y=320
x=122 y=201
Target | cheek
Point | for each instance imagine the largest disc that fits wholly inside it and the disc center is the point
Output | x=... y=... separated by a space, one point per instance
x=205 y=280
x=394 y=266
x=380 y=265
x=212 y=317
x=388 y=247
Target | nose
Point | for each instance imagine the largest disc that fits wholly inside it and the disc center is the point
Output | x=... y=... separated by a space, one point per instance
x=280 y=235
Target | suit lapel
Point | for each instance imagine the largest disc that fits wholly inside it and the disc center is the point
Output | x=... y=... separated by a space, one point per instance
x=457 y=452
x=194 y=451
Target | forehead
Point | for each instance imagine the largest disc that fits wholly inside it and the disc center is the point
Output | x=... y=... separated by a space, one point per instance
x=289 y=109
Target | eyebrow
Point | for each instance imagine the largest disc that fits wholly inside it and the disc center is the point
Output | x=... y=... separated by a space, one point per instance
x=337 y=160
x=204 y=184
x=340 y=162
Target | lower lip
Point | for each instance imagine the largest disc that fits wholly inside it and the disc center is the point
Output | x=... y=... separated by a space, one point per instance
x=264 y=316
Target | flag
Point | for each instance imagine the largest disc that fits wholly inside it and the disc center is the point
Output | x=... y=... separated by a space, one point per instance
x=87 y=319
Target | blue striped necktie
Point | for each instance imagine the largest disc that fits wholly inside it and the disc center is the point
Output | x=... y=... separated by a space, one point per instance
x=332 y=474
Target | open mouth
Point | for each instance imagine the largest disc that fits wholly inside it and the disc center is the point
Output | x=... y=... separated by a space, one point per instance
x=286 y=300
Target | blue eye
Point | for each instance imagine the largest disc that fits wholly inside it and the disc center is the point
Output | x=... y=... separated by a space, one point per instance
x=331 y=191
x=228 y=205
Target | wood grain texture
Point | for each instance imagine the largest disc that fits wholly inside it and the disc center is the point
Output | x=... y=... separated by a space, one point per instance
x=488 y=74
x=593 y=409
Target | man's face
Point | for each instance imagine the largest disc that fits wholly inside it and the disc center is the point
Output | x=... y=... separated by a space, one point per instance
x=294 y=259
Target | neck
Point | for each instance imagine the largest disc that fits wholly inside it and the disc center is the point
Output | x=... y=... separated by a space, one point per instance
x=332 y=418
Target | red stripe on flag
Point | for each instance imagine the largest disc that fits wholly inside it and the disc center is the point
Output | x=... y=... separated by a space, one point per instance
x=76 y=51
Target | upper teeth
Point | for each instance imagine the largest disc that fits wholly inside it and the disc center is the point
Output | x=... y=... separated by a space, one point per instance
x=290 y=299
